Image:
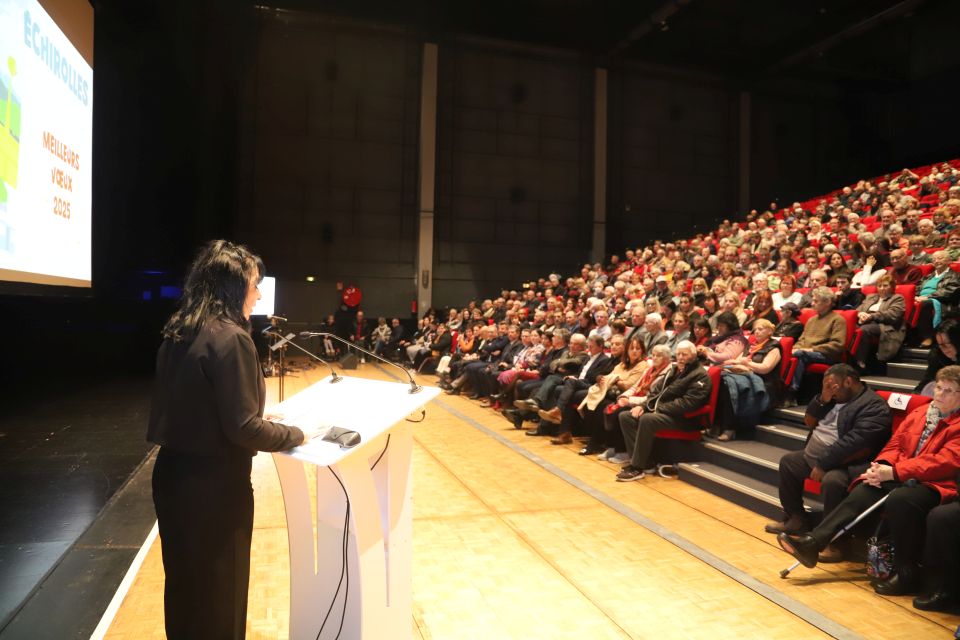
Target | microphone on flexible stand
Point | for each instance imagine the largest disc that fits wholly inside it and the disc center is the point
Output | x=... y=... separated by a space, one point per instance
x=334 y=377
x=414 y=387
x=281 y=318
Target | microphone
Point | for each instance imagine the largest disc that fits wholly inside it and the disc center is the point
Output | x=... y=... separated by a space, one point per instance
x=277 y=318
x=334 y=377
x=414 y=387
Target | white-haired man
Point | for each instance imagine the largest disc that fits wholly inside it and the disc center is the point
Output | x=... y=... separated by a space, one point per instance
x=683 y=387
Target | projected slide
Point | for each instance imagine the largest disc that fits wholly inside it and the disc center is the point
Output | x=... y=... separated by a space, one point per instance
x=46 y=144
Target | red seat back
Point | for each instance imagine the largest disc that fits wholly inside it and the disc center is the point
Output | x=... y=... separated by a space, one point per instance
x=898 y=415
x=909 y=292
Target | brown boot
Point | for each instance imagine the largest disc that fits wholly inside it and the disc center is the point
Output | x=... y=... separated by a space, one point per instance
x=792 y=525
x=562 y=438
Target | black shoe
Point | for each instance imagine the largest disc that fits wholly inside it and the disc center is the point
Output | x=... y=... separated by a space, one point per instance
x=537 y=432
x=453 y=391
x=474 y=396
x=936 y=601
x=496 y=396
x=514 y=417
x=589 y=451
x=902 y=583
x=802 y=547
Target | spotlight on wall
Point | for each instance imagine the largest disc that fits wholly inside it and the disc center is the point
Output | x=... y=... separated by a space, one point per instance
x=310 y=278
x=664 y=26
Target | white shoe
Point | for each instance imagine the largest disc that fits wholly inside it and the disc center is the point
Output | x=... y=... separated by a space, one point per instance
x=606 y=454
x=619 y=458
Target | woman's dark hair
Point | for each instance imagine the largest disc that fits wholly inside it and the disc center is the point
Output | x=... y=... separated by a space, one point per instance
x=711 y=296
x=216 y=287
x=950 y=328
x=625 y=358
x=729 y=320
x=701 y=323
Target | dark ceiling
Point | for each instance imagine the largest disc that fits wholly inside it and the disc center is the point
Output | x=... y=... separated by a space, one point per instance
x=868 y=39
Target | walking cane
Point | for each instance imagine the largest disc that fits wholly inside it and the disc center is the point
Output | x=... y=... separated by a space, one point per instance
x=784 y=573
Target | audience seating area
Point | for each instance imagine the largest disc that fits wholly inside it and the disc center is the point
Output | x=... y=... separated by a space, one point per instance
x=902 y=225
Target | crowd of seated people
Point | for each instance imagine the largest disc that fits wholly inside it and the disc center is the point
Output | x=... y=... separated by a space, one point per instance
x=835 y=286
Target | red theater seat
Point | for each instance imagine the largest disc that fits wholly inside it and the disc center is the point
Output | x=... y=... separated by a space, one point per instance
x=705 y=413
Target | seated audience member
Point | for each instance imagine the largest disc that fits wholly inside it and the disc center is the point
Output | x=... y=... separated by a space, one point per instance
x=754 y=378
x=836 y=266
x=683 y=387
x=681 y=330
x=902 y=271
x=525 y=366
x=655 y=334
x=925 y=449
x=488 y=353
x=590 y=401
x=585 y=324
x=787 y=293
x=937 y=296
x=941 y=559
x=880 y=317
x=609 y=431
x=380 y=336
x=943 y=354
x=466 y=343
x=849 y=424
x=918 y=256
x=729 y=342
x=701 y=332
x=638 y=318
x=817 y=279
x=427 y=360
x=931 y=237
x=603 y=328
x=953 y=246
x=848 y=298
x=869 y=274
x=569 y=362
x=762 y=309
x=699 y=290
x=823 y=340
x=711 y=309
x=789 y=325
x=731 y=304
x=760 y=283
x=392 y=348
x=557 y=391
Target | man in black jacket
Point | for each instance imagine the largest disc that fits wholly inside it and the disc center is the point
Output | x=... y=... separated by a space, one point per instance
x=683 y=387
x=849 y=425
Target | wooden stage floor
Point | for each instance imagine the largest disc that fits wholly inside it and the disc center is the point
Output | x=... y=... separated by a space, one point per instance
x=534 y=541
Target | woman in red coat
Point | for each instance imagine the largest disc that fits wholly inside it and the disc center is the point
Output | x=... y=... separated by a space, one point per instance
x=925 y=450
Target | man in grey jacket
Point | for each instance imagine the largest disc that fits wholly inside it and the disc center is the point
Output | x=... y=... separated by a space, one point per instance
x=849 y=425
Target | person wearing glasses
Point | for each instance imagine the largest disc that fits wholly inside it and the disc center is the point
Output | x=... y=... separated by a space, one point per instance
x=925 y=449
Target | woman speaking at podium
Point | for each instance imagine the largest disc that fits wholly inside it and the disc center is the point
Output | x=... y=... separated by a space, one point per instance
x=207 y=418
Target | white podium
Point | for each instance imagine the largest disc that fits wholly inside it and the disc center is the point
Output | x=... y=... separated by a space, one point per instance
x=352 y=565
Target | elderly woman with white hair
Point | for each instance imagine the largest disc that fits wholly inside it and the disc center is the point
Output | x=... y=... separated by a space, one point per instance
x=937 y=296
x=681 y=388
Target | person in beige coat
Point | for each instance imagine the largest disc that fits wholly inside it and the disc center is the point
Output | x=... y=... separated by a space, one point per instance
x=880 y=317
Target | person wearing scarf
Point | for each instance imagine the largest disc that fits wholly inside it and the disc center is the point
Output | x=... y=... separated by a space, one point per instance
x=924 y=450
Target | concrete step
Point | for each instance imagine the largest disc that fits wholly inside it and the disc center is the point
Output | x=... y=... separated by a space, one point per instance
x=752 y=458
x=888 y=383
x=906 y=370
x=750 y=493
x=793 y=415
x=786 y=436
x=914 y=355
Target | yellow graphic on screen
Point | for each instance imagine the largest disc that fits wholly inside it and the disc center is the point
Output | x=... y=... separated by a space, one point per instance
x=9 y=147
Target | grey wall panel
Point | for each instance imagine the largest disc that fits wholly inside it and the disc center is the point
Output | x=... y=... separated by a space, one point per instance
x=329 y=126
